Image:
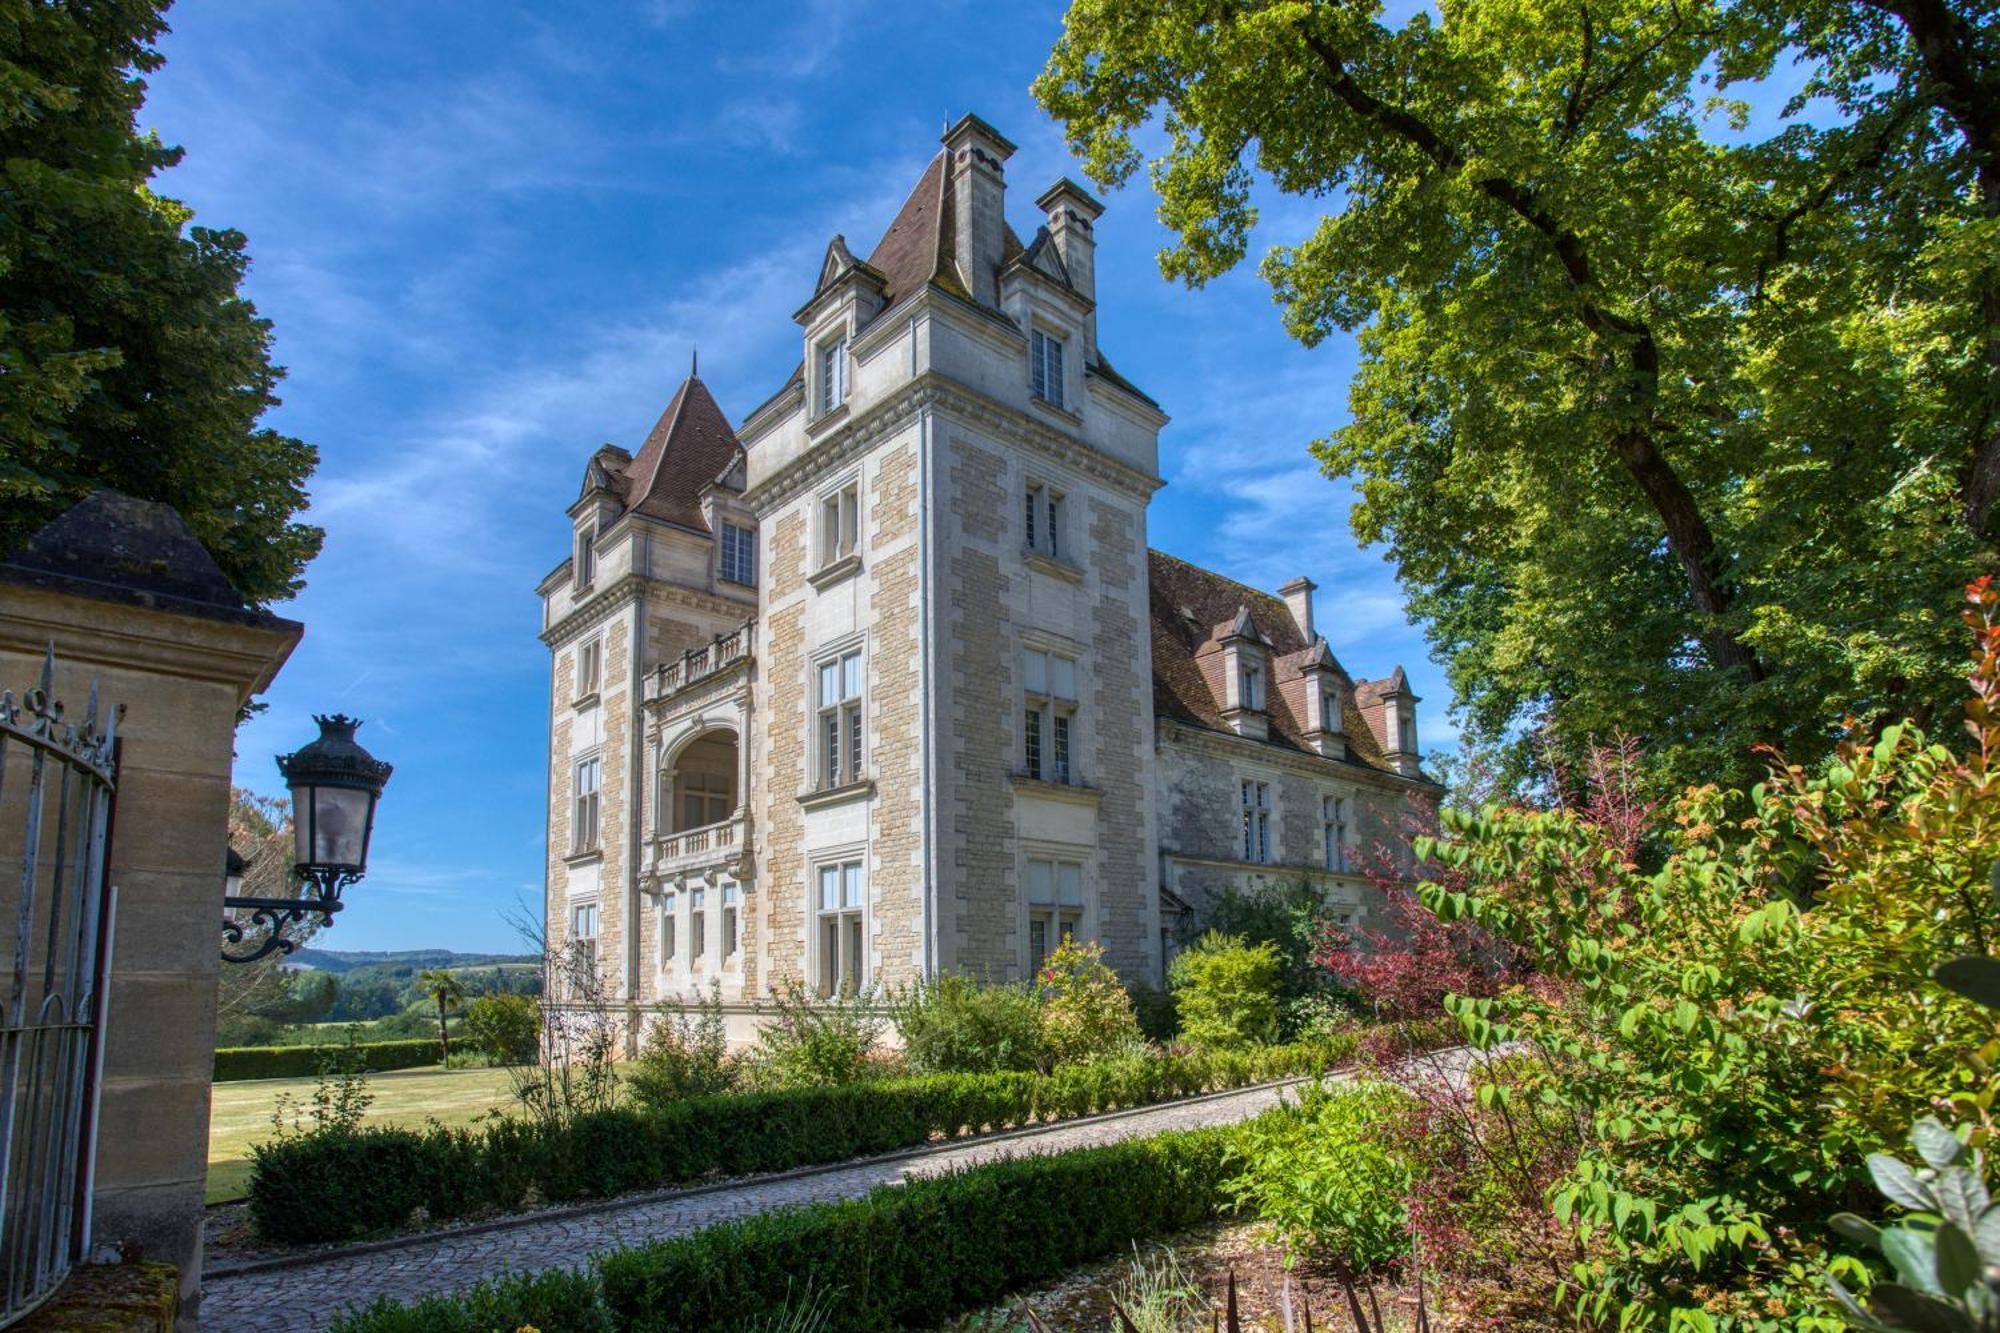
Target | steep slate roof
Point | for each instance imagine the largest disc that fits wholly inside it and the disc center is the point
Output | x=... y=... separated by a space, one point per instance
x=688 y=449
x=1192 y=608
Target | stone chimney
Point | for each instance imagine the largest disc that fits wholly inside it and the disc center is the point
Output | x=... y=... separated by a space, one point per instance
x=978 y=203
x=1072 y=213
x=1298 y=595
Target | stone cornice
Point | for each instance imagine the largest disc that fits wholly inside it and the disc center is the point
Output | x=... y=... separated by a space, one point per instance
x=1228 y=745
x=627 y=588
x=1303 y=868
x=245 y=652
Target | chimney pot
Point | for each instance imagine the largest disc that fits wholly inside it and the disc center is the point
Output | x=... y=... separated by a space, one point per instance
x=1298 y=595
x=979 y=203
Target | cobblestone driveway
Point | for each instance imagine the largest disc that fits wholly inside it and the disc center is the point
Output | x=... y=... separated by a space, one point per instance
x=305 y=1296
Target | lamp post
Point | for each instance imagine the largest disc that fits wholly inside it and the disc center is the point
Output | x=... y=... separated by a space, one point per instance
x=335 y=785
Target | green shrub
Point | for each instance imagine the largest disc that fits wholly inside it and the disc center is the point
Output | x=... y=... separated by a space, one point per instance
x=240 y=1062
x=810 y=1042
x=1154 y=1011
x=556 y=1301
x=910 y=1255
x=507 y=1029
x=306 y=1189
x=684 y=1055
x=1292 y=917
x=1323 y=1175
x=907 y=1255
x=1086 y=1014
x=954 y=1025
x=1226 y=992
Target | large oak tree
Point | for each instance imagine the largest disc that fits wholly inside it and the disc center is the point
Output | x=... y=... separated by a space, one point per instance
x=1669 y=427
x=128 y=357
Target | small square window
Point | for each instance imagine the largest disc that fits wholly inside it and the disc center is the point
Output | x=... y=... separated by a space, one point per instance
x=739 y=554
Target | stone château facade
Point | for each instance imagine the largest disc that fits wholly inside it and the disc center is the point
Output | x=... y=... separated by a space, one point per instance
x=885 y=681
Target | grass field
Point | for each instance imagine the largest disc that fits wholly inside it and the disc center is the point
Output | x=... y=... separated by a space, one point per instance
x=241 y=1112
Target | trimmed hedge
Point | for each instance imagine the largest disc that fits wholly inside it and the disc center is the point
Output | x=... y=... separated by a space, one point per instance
x=344 y=1185
x=907 y=1255
x=241 y=1062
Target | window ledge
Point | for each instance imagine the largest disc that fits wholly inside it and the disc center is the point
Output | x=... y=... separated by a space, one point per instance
x=583 y=856
x=828 y=419
x=828 y=575
x=851 y=791
x=1074 y=792
x=584 y=701
x=1056 y=410
x=1053 y=566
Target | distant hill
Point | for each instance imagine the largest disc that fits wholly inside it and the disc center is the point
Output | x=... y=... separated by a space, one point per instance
x=346 y=960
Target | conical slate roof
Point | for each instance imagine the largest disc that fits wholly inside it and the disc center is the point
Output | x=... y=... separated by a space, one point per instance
x=689 y=447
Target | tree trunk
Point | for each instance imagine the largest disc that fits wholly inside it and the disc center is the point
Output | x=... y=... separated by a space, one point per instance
x=444 y=1033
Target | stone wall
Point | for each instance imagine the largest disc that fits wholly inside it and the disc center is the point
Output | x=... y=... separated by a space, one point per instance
x=778 y=940
x=1127 y=892
x=896 y=732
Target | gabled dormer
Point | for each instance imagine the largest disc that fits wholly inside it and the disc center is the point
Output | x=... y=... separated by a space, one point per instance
x=1391 y=709
x=849 y=294
x=1246 y=676
x=1325 y=701
x=598 y=504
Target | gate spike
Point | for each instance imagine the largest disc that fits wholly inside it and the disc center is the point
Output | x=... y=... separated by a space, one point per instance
x=90 y=711
x=49 y=669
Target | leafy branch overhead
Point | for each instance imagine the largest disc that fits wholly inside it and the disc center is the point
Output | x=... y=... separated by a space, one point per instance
x=1669 y=426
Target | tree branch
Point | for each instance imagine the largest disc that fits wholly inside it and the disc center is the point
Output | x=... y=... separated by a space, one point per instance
x=1688 y=533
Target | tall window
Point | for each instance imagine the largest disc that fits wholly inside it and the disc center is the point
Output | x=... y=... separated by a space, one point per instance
x=589 y=667
x=706 y=798
x=843 y=964
x=1250 y=684
x=1257 y=822
x=583 y=818
x=1045 y=367
x=586 y=556
x=840 y=720
x=1055 y=906
x=1329 y=709
x=739 y=554
x=1048 y=716
x=832 y=374
x=583 y=934
x=670 y=911
x=732 y=905
x=1333 y=815
x=840 y=523
x=697 y=924
x=1044 y=507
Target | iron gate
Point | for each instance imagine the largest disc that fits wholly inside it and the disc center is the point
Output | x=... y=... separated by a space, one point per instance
x=58 y=780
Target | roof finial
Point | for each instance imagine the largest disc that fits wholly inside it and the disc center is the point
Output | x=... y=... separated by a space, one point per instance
x=694 y=361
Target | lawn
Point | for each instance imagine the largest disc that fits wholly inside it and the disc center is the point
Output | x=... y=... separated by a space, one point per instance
x=241 y=1112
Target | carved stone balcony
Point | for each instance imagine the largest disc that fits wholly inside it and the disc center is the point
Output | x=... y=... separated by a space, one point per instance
x=699 y=664
x=718 y=844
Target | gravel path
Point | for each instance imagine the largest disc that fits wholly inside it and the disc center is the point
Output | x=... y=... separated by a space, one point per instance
x=303 y=1296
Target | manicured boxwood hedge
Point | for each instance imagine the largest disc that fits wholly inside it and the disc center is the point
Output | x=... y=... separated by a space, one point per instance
x=330 y=1187
x=240 y=1062
x=907 y=1255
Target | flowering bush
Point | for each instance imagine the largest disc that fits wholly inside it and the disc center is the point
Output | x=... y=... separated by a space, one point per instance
x=1086 y=1014
x=1738 y=1030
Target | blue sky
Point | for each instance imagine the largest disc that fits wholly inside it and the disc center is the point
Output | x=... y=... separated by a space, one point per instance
x=489 y=235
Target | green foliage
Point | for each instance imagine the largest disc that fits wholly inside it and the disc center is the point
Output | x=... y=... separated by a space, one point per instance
x=445 y=989
x=128 y=356
x=241 y=1062
x=1669 y=427
x=1322 y=1175
x=1945 y=1248
x=1291 y=917
x=306 y=1190
x=815 y=1042
x=906 y=1256
x=508 y=1028
x=1086 y=1014
x=555 y=1301
x=683 y=1056
x=1739 y=1030
x=954 y=1025
x=1226 y=992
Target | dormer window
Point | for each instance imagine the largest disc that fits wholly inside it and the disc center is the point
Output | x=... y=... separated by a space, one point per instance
x=1044 y=509
x=586 y=557
x=832 y=375
x=1045 y=367
x=1329 y=708
x=1250 y=685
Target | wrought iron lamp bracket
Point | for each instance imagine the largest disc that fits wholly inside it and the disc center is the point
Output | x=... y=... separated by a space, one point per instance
x=319 y=896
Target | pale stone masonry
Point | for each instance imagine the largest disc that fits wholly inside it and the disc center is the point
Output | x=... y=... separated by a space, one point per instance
x=884 y=681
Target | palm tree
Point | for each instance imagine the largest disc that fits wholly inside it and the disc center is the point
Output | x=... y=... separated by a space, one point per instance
x=443 y=986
